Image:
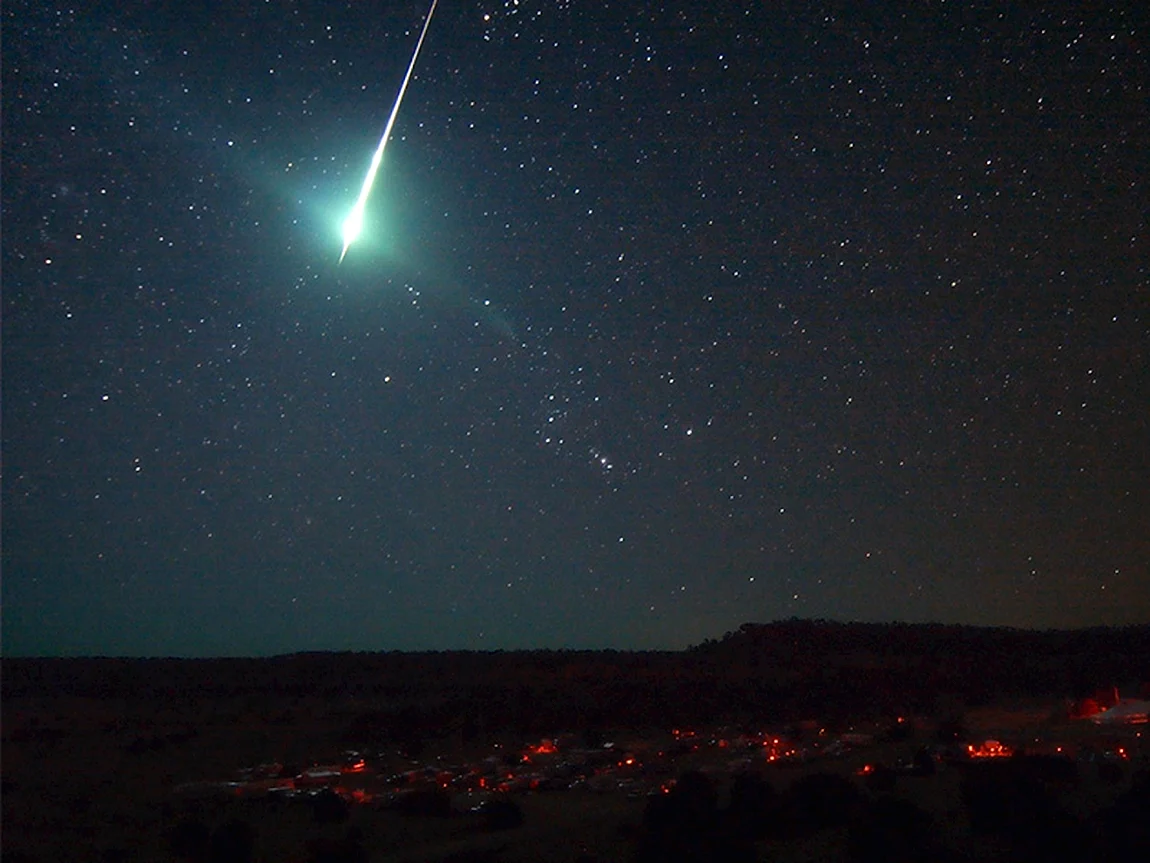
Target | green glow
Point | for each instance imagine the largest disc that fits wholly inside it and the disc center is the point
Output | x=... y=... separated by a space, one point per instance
x=353 y=224
x=352 y=228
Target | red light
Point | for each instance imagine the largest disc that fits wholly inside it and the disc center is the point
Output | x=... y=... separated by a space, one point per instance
x=989 y=749
x=543 y=747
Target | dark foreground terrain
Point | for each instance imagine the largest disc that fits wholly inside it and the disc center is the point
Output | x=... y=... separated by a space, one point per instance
x=790 y=741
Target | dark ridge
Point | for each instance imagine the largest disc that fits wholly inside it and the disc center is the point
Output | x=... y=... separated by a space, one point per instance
x=786 y=670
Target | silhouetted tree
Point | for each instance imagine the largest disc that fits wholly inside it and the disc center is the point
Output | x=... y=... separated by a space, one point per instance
x=232 y=842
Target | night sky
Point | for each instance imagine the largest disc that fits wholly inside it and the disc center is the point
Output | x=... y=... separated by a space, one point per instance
x=666 y=317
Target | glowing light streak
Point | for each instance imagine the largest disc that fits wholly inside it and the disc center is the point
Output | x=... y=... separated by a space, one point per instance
x=353 y=224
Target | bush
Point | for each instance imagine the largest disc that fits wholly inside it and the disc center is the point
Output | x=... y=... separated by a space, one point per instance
x=501 y=813
x=881 y=780
x=752 y=807
x=1125 y=826
x=1012 y=799
x=900 y=731
x=891 y=831
x=1047 y=770
x=232 y=842
x=1111 y=773
x=691 y=806
x=1000 y=800
x=329 y=808
x=924 y=763
x=950 y=730
x=349 y=849
x=1063 y=838
x=189 y=840
x=708 y=847
x=433 y=802
x=683 y=826
x=820 y=800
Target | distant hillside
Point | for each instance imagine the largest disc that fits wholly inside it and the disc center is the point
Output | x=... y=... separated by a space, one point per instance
x=840 y=673
x=918 y=661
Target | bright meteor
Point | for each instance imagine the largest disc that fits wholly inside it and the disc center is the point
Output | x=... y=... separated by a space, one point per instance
x=353 y=224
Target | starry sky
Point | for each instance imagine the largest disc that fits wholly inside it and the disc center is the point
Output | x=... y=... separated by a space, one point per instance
x=666 y=317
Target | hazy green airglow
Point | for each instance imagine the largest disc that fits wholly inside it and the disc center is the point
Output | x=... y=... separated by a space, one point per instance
x=353 y=224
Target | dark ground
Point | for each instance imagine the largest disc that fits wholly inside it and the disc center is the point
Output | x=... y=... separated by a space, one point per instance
x=96 y=751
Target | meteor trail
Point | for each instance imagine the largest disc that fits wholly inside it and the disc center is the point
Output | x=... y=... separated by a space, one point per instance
x=353 y=224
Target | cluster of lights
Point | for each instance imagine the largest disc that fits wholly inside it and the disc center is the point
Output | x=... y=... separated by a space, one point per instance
x=989 y=749
x=543 y=747
x=776 y=749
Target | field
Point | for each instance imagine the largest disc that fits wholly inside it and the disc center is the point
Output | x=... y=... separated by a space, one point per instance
x=711 y=754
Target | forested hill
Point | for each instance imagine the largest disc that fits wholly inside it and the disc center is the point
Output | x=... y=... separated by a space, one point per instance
x=976 y=662
x=775 y=672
